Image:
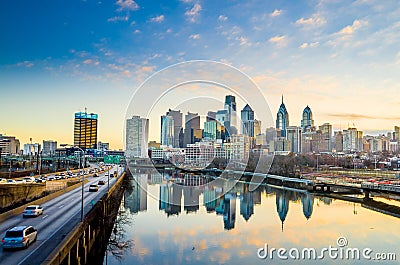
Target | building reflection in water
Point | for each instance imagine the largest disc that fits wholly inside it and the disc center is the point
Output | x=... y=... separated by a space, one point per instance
x=307 y=200
x=136 y=198
x=219 y=196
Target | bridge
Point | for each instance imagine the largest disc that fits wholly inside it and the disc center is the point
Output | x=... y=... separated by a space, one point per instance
x=62 y=221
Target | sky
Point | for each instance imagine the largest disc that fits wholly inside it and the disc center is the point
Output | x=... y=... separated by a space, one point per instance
x=340 y=57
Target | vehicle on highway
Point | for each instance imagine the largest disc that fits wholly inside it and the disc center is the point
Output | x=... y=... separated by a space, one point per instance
x=93 y=187
x=29 y=179
x=101 y=182
x=11 y=181
x=106 y=174
x=50 y=178
x=19 y=181
x=95 y=175
x=19 y=237
x=32 y=210
x=62 y=174
x=3 y=180
x=40 y=180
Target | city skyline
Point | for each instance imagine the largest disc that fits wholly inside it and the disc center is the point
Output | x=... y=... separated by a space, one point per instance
x=341 y=58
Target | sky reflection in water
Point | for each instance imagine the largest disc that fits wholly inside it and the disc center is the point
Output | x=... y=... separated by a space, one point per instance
x=230 y=227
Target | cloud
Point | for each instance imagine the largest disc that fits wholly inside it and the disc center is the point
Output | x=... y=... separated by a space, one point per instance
x=355 y=116
x=90 y=61
x=222 y=18
x=118 y=18
x=276 y=13
x=137 y=31
x=127 y=5
x=279 y=41
x=157 y=19
x=243 y=41
x=193 y=13
x=349 y=30
x=26 y=64
x=194 y=36
x=315 y=20
x=309 y=45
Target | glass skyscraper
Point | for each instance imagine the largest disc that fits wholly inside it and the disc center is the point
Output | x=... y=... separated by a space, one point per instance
x=282 y=119
x=307 y=119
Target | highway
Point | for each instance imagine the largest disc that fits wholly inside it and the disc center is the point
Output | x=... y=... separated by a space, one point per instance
x=59 y=217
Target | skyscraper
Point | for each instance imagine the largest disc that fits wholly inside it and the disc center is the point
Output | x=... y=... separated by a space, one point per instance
x=326 y=130
x=192 y=123
x=49 y=147
x=177 y=117
x=85 y=130
x=230 y=118
x=294 y=136
x=307 y=119
x=167 y=131
x=247 y=120
x=282 y=119
x=212 y=130
x=137 y=134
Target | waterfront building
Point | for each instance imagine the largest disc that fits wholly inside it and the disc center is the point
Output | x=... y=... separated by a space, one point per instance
x=294 y=137
x=178 y=129
x=282 y=119
x=136 y=201
x=85 y=130
x=307 y=119
x=137 y=133
x=167 y=131
x=49 y=147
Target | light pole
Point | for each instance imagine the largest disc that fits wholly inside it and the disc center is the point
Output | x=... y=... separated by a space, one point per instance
x=83 y=175
x=317 y=160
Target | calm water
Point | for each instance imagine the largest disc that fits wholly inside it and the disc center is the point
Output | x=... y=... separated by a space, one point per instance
x=195 y=222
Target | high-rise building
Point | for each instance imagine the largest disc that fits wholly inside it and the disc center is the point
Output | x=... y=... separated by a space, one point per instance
x=220 y=116
x=9 y=145
x=293 y=134
x=167 y=131
x=49 y=147
x=352 y=140
x=211 y=116
x=137 y=134
x=257 y=127
x=247 y=120
x=212 y=130
x=178 y=129
x=32 y=149
x=326 y=130
x=338 y=141
x=307 y=119
x=396 y=134
x=230 y=118
x=85 y=130
x=192 y=123
x=103 y=146
x=282 y=119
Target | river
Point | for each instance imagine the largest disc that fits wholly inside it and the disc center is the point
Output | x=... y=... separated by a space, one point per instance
x=189 y=219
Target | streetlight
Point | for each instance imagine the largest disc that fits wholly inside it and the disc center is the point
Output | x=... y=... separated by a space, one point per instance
x=83 y=175
x=317 y=155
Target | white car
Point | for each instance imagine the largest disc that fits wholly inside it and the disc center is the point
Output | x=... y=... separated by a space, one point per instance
x=3 y=180
x=32 y=210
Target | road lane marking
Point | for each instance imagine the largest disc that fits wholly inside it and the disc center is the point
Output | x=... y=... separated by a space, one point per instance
x=45 y=216
x=61 y=206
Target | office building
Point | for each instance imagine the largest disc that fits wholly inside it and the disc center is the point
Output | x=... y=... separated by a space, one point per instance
x=307 y=119
x=211 y=116
x=326 y=144
x=294 y=137
x=32 y=149
x=247 y=121
x=212 y=130
x=85 y=130
x=137 y=134
x=230 y=117
x=192 y=123
x=9 y=145
x=257 y=127
x=167 y=131
x=49 y=147
x=282 y=119
x=178 y=129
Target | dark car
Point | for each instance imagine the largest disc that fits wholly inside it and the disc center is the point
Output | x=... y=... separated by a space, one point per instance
x=101 y=182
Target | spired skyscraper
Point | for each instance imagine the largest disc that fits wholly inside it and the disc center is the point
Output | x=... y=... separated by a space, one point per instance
x=282 y=119
x=137 y=134
x=307 y=119
x=247 y=120
x=85 y=130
